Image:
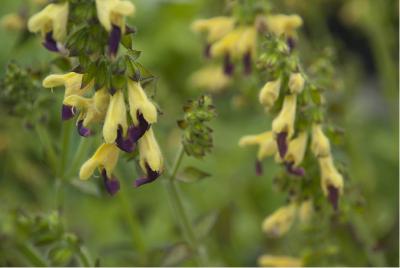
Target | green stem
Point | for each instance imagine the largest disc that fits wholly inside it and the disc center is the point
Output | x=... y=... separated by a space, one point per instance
x=83 y=257
x=177 y=203
x=66 y=138
x=34 y=257
x=48 y=147
x=79 y=155
x=136 y=234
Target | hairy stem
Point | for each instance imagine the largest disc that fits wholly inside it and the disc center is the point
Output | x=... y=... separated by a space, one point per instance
x=181 y=214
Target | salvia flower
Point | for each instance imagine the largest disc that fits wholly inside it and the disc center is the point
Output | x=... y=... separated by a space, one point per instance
x=331 y=180
x=73 y=86
x=116 y=120
x=51 y=22
x=211 y=78
x=320 y=144
x=105 y=159
x=295 y=154
x=266 y=143
x=269 y=93
x=140 y=104
x=280 y=221
x=296 y=83
x=279 y=261
x=13 y=22
x=151 y=160
x=283 y=24
x=111 y=14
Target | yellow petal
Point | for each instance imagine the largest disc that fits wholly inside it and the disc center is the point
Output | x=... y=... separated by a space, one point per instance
x=105 y=157
x=296 y=83
x=269 y=93
x=297 y=149
x=280 y=221
x=139 y=102
x=211 y=78
x=115 y=117
x=283 y=24
x=320 y=144
x=216 y=27
x=150 y=152
x=329 y=175
x=113 y=12
x=284 y=122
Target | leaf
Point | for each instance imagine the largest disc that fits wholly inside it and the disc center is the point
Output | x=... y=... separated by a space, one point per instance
x=86 y=187
x=204 y=224
x=134 y=54
x=126 y=41
x=176 y=254
x=60 y=255
x=192 y=174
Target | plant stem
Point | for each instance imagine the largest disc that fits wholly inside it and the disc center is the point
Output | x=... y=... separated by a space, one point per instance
x=79 y=155
x=176 y=201
x=48 y=147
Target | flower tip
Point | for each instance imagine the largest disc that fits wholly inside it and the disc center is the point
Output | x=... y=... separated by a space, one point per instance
x=282 y=144
x=111 y=184
x=83 y=131
x=67 y=112
x=333 y=196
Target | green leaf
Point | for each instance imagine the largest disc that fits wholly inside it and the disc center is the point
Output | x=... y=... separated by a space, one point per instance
x=192 y=174
x=126 y=41
x=204 y=224
x=177 y=254
x=134 y=54
x=60 y=255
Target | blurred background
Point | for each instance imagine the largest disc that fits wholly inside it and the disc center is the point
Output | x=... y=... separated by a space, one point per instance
x=361 y=39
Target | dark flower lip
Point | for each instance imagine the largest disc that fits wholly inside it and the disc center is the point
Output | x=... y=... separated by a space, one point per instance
x=111 y=184
x=83 y=131
x=113 y=41
x=333 y=196
x=151 y=176
x=49 y=43
x=125 y=144
x=259 y=168
x=282 y=144
x=67 y=112
x=229 y=67
x=297 y=171
x=291 y=43
x=136 y=132
x=247 y=63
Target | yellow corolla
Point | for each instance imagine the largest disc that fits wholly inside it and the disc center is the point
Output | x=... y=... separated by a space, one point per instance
x=139 y=103
x=320 y=144
x=265 y=141
x=296 y=83
x=297 y=149
x=115 y=118
x=331 y=179
x=113 y=12
x=216 y=27
x=270 y=93
x=283 y=24
x=280 y=221
x=52 y=19
x=211 y=78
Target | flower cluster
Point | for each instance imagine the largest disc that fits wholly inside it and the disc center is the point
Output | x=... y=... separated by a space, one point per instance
x=296 y=139
x=234 y=40
x=105 y=88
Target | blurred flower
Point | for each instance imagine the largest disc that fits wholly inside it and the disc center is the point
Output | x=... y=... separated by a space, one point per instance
x=267 y=146
x=111 y=14
x=296 y=83
x=73 y=86
x=283 y=124
x=306 y=211
x=210 y=78
x=283 y=24
x=295 y=154
x=269 y=93
x=331 y=180
x=13 y=22
x=52 y=23
x=105 y=158
x=151 y=160
x=280 y=221
x=279 y=261
x=320 y=144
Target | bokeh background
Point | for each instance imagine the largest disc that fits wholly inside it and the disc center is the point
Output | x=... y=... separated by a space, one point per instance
x=230 y=205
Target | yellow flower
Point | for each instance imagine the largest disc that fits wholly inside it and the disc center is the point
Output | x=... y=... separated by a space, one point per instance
x=72 y=82
x=52 y=19
x=216 y=27
x=297 y=149
x=92 y=110
x=211 y=78
x=113 y=12
x=306 y=211
x=284 y=122
x=270 y=93
x=320 y=144
x=151 y=160
x=264 y=140
x=279 y=261
x=139 y=104
x=283 y=24
x=106 y=157
x=280 y=221
x=228 y=44
x=296 y=83
x=331 y=180
x=115 y=118
x=247 y=42
x=12 y=22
